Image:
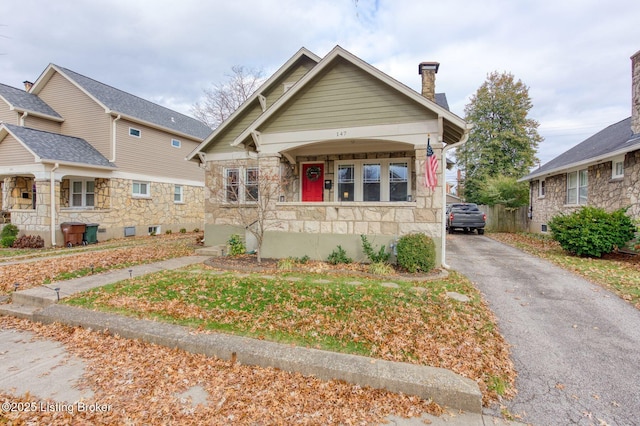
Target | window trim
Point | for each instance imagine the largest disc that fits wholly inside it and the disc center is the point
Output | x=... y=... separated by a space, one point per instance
x=181 y=194
x=133 y=130
x=542 y=188
x=176 y=143
x=135 y=194
x=83 y=193
x=242 y=187
x=614 y=162
x=578 y=199
x=358 y=178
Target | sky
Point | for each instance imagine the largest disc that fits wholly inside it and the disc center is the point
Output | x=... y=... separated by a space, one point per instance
x=573 y=55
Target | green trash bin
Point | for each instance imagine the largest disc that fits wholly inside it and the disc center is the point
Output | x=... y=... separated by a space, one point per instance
x=91 y=233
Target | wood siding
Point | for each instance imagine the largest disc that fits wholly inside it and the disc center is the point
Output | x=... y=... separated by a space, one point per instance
x=84 y=118
x=152 y=153
x=225 y=138
x=345 y=96
x=295 y=74
x=12 y=153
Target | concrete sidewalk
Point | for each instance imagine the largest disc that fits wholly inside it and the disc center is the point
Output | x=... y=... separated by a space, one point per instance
x=443 y=386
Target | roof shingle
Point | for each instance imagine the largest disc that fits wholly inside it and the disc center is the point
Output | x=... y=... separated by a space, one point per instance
x=22 y=100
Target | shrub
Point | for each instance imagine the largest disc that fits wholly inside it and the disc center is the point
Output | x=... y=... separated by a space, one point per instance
x=290 y=262
x=339 y=255
x=9 y=230
x=168 y=231
x=591 y=231
x=7 y=241
x=236 y=245
x=381 y=268
x=381 y=256
x=183 y=230
x=28 y=241
x=416 y=252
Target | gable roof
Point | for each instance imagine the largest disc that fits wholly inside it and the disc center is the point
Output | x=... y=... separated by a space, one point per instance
x=22 y=101
x=54 y=147
x=452 y=123
x=116 y=101
x=617 y=139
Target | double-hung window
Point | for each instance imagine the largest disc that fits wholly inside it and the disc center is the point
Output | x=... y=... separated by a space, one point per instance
x=82 y=193
x=242 y=184
x=577 y=184
x=373 y=180
x=178 y=194
x=617 y=168
x=141 y=189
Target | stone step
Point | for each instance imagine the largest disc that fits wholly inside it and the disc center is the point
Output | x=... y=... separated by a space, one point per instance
x=213 y=251
x=18 y=311
x=34 y=297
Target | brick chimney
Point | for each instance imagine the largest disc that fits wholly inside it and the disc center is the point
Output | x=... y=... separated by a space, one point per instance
x=27 y=85
x=635 y=93
x=428 y=72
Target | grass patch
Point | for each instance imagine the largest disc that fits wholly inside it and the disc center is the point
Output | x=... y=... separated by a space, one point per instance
x=619 y=273
x=332 y=312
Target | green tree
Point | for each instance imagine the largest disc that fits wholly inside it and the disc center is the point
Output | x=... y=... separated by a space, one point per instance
x=504 y=139
x=503 y=190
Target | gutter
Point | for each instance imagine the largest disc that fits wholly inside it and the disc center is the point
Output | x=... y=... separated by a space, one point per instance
x=53 y=204
x=113 y=139
x=443 y=254
x=22 y=118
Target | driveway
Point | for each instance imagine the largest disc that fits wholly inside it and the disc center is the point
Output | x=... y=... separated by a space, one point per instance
x=576 y=346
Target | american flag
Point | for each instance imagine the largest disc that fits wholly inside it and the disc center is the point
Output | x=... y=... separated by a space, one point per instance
x=431 y=176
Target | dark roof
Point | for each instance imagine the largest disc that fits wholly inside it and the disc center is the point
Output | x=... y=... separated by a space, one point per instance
x=26 y=101
x=615 y=139
x=441 y=100
x=56 y=147
x=133 y=106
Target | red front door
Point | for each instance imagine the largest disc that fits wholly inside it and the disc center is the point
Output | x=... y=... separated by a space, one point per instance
x=312 y=182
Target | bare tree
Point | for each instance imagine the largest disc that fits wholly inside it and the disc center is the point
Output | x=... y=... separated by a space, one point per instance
x=222 y=99
x=255 y=193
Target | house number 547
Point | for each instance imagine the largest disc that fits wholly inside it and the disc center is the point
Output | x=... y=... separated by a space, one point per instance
x=341 y=133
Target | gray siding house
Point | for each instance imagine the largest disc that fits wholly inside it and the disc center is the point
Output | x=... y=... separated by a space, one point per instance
x=348 y=145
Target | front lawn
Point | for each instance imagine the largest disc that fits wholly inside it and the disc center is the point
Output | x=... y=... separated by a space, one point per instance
x=392 y=320
x=618 y=272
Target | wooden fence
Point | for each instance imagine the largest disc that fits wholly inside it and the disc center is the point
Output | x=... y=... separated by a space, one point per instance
x=503 y=219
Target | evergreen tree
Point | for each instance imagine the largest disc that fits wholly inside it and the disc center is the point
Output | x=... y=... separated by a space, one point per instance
x=504 y=140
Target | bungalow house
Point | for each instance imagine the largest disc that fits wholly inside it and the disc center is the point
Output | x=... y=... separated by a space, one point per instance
x=73 y=149
x=348 y=147
x=602 y=171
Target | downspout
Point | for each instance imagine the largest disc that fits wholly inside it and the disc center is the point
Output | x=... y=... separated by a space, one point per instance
x=462 y=141
x=53 y=203
x=113 y=139
x=22 y=118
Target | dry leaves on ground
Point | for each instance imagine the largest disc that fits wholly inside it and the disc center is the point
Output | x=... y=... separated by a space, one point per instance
x=38 y=272
x=140 y=382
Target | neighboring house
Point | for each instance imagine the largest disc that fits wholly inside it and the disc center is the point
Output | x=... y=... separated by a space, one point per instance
x=349 y=144
x=602 y=171
x=73 y=149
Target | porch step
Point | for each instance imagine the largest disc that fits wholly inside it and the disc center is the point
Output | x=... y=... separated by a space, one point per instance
x=213 y=251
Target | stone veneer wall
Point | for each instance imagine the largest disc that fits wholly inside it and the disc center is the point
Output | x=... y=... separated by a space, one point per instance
x=603 y=191
x=295 y=222
x=122 y=210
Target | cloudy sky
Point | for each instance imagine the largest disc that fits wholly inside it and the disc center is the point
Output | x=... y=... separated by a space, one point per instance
x=572 y=54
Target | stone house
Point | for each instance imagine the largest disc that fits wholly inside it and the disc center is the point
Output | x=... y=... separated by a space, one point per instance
x=348 y=147
x=602 y=171
x=73 y=149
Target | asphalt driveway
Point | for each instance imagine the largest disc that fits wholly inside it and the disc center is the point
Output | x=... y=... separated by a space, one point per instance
x=576 y=346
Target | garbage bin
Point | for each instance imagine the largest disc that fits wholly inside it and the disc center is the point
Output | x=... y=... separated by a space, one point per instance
x=91 y=233
x=73 y=233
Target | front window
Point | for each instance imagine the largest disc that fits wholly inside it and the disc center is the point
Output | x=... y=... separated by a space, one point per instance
x=82 y=193
x=141 y=189
x=346 y=188
x=242 y=185
x=577 y=183
x=371 y=181
x=251 y=184
x=232 y=184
